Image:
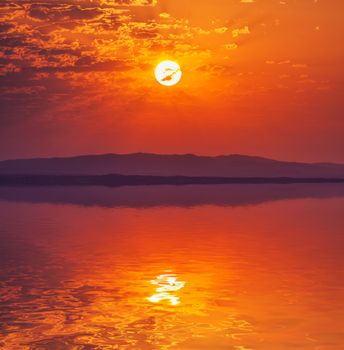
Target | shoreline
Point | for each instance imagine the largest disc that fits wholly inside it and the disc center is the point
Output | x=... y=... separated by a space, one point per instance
x=116 y=180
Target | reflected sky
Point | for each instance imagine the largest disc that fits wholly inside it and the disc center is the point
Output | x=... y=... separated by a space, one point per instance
x=268 y=276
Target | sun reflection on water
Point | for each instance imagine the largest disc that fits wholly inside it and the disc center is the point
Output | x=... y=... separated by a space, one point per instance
x=167 y=283
x=94 y=281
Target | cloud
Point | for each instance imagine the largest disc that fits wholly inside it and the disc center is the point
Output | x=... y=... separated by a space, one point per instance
x=221 y=30
x=55 y=54
x=240 y=31
x=54 y=12
x=299 y=65
x=231 y=46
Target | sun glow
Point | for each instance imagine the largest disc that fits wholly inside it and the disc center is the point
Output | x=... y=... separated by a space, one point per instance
x=166 y=284
x=168 y=73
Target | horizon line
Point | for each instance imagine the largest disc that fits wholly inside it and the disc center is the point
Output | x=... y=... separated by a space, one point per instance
x=169 y=155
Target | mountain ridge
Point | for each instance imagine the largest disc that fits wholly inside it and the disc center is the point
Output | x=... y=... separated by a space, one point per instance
x=151 y=164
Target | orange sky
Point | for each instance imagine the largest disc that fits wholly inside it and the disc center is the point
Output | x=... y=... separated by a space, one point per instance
x=261 y=77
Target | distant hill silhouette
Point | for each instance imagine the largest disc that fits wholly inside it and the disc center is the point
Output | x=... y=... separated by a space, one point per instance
x=170 y=165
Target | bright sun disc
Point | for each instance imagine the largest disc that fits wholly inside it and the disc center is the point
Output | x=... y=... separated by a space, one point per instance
x=168 y=73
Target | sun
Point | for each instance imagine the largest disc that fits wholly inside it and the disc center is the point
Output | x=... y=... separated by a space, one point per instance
x=168 y=73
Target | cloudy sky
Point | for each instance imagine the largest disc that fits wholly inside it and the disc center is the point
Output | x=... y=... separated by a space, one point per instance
x=261 y=77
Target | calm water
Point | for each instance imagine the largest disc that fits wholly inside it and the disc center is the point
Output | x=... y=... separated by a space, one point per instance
x=184 y=268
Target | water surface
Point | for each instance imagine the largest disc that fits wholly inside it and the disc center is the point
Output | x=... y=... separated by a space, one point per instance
x=183 y=268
